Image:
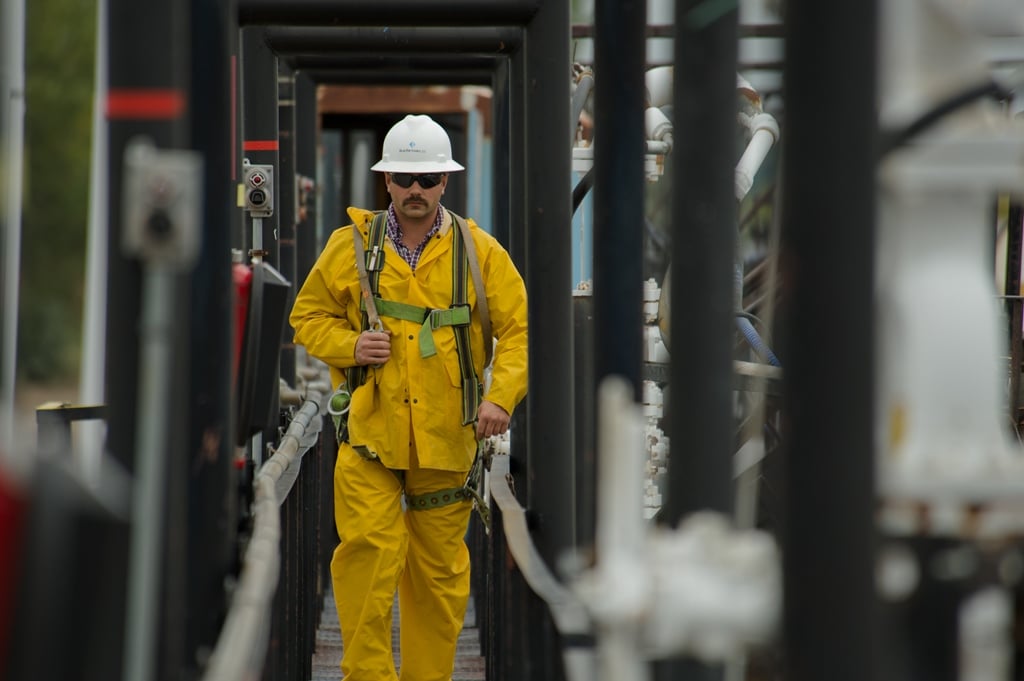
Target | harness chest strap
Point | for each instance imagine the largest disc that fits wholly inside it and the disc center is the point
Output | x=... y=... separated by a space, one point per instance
x=430 y=320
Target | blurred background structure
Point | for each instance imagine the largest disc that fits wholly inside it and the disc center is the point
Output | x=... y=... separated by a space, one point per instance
x=774 y=253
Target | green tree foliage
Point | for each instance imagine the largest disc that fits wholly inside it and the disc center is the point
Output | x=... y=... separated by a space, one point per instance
x=59 y=58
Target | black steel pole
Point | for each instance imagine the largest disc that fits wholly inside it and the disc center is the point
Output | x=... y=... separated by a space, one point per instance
x=827 y=257
x=508 y=627
x=148 y=97
x=586 y=449
x=704 y=209
x=1014 y=311
x=619 y=53
x=286 y=207
x=212 y=504
x=260 y=142
x=505 y=626
x=240 y=230
x=616 y=308
x=548 y=217
x=703 y=257
x=260 y=145
x=307 y=141
x=330 y=187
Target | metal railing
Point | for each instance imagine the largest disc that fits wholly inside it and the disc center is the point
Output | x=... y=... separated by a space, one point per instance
x=280 y=587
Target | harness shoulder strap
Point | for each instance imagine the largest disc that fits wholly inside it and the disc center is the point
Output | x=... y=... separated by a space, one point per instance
x=478 y=284
x=369 y=266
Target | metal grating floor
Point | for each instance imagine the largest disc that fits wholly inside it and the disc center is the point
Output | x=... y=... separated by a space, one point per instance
x=469 y=664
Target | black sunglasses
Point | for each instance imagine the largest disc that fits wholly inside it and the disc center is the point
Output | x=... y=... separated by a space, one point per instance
x=426 y=180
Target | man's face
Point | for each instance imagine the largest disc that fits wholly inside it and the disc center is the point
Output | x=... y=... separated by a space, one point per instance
x=416 y=201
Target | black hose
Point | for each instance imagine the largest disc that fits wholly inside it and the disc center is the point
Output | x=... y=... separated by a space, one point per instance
x=581 y=189
x=890 y=141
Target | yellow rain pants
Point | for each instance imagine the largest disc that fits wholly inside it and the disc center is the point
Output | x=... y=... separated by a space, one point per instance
x=421 y=553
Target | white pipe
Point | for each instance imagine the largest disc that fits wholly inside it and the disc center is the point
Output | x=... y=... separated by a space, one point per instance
x=90 y=434
x=621 y=535
x=659 y=83
x=658 y=126
x=765 y=133
x=11 y=170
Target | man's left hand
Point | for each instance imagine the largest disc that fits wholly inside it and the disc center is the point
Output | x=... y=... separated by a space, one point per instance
x=490 y=420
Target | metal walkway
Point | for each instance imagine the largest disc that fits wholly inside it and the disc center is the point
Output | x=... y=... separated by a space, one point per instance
x=469 y=664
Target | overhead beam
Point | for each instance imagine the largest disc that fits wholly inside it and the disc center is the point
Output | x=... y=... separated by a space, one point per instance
x=368 y=76
x=393 y=39
x=387 y=12
x=384 y=63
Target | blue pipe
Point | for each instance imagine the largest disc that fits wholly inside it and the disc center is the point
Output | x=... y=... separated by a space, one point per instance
x=754 y=338
x=747 y=328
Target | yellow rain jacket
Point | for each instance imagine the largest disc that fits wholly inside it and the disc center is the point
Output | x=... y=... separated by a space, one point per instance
x=410 y=396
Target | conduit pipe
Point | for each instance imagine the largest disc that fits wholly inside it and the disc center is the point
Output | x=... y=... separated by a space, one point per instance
x=149 y=489
x=12 y=147
x=94 y=308
x=242 y=645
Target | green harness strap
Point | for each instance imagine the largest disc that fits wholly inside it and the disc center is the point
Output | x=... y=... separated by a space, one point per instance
x=374 y=263
x=471 y=490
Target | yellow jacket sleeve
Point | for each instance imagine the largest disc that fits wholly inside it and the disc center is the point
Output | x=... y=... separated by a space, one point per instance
x=326 y=315
x=507 y=303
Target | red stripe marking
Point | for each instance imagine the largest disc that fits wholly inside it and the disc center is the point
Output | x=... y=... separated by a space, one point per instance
x=259 y=145
x=150 y=104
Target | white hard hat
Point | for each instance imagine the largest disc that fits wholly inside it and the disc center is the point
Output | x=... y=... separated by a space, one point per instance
x=416 y=144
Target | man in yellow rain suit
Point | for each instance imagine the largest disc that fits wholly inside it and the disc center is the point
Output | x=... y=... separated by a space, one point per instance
x=408 y=429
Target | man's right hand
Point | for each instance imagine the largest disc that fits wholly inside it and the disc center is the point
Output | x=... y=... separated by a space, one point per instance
x=373 y=347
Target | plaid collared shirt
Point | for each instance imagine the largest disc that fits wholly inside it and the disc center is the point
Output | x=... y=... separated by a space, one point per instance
x=411 y=256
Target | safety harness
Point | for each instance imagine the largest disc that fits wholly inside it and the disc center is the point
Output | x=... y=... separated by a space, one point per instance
x=370 y=262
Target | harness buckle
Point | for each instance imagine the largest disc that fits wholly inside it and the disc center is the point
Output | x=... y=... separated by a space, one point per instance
x=456 y=308
x=375 y=262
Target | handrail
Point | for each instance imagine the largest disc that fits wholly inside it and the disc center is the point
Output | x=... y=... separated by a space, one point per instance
x=242 y=646
x=567 y=610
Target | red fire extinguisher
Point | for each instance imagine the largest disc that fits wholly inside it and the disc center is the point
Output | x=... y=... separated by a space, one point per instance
x=241 y=274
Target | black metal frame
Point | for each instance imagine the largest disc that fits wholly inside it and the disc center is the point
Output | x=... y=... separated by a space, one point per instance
x=487 y=45
x=521 y=49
